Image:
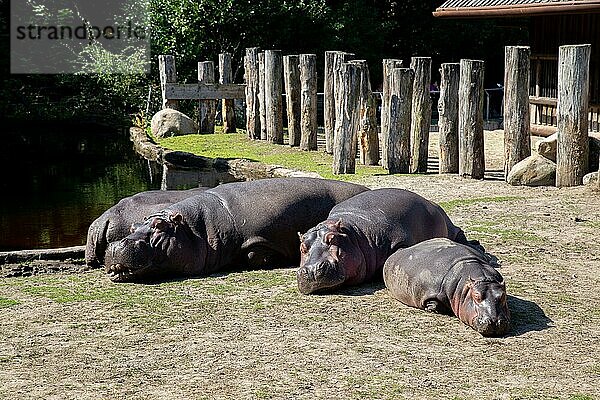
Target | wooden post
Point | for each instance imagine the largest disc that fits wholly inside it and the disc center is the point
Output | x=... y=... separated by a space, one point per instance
x=572 y=151
x=227 y=108
x=168 y=74
x=252 y=102
x=261 y=96
x=273 y=92
x=517 y=140
x=388 y=65
x=448 y=121
x=308 y=104
x=368 y=140
x=207 y=108
x=332 y=77
x=399 y=110
x=291 y=75
x=421 y=114
x=471 y=161
x=347 y=97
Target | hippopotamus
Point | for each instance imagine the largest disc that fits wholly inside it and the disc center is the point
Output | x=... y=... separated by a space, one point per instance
x=242 y=224
x=446 y=277
x=116 y=222
x=352 y=244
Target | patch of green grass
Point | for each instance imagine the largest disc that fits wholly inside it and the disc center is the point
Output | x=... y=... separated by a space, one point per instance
x=483 y=229
x=239 y=146
x=4 y=302
x=452 y=204
x=581 y=397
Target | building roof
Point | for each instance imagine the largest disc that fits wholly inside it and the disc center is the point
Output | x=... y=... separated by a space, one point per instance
x=513 y=8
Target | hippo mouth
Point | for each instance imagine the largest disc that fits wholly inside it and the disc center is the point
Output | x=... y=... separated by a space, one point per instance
x=491 y=328
x=324 y=276
x=121 y=273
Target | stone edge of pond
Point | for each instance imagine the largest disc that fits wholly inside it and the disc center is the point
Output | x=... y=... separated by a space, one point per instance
x=239 y=168
x=39 y=261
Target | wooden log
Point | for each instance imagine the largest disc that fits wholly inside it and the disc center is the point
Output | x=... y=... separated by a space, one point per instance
x=448 y=120
x=261 y=96
x=421 y=114
x=368 y=140
x=227 y=108
x=329 y=100
x=517 y=138
x=347 y=98
x=339 y=57
x=273 y=98
x=471 y=160
x=214 y=91
x=308 y=103
x=388 y=65
x=168 y=74
x=252 y=102
x=572 y=152
x=399 y=110
x=207 y=109
x=291 y=75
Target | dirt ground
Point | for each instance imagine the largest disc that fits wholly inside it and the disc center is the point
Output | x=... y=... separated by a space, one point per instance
x=252 y=335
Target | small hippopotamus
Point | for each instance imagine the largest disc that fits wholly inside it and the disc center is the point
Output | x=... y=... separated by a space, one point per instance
x=116 y=222
x=351 y=246
x=242 y=224
x=445 y=277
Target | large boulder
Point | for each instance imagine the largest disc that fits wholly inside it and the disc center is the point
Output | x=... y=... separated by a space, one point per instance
x=592 y=179
x=169 y=122
x=535 y=170
x=547 y=148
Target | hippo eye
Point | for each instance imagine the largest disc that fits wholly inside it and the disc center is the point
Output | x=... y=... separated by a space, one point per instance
x=476 y=297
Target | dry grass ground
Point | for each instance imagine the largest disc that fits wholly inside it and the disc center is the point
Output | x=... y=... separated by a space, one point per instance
x=252 y=335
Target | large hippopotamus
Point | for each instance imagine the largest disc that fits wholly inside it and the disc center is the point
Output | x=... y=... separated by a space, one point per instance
x=247 y=224
x=116 y=222
x=445 y=277
x=351 y=246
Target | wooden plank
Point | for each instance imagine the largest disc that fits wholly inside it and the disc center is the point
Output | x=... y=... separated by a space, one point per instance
x=213 y=91
x=168 y=75
x=227 y=106
x=543 y=101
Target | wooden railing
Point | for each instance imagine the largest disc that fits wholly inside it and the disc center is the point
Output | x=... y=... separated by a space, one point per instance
x=543 y=116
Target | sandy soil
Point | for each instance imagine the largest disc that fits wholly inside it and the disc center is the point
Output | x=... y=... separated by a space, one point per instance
x=251 y=335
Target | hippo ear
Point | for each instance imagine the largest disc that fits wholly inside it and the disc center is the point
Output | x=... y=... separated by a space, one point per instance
x=176 y=218
x=301 y=237
x=470 y=282
x=338 y=224
x=329 y=238
x=160 y=224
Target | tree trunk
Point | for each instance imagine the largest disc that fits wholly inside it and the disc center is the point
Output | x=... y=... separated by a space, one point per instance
x=227 y=108
x=332 y=75
x=368 y=140
x=347 y=98
x=421 y=114
x=273 y=92
x=261 y=96
x=168 y=74
x=207 y=110
x=308 y=104
x=399 y=110
x=572 y=152
x=388 y=65
x=252 y=102
x=291 y=75
x=471 y=162
x=517 y=140
x=448 y=121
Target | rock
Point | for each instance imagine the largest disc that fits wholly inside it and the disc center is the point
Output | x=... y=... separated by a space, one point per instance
x=547 y=147
x=169 y=122
x=592 y=178
x=535 y=170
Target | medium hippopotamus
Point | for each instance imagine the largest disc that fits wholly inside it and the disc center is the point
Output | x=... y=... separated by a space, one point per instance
x=116 y=222
x=250 y=224
x=351 y=246
x=445 y=277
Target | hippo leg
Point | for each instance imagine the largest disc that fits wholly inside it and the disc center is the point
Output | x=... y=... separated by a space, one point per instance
x=260 y=257
x=436 y=306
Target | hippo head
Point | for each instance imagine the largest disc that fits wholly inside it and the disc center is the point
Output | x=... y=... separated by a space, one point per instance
x=329 y=258
x=162 y=246
x=484 y=307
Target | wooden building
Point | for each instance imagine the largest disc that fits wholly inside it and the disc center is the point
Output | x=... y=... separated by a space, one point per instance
x=553 y=23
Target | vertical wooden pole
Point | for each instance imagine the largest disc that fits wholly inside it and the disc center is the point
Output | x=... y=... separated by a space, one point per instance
x=368 y=140
x=207 y=108
x=517 y=140
x=388 y=65
x=227 y=107
x=347 y=97
x=273 y=92
x=572 y=151
x=421 y=114
x=339 y=58
x=399 y=110
x=308 y=105
x=471 y=162
x=291 y=75
x=261 y=96
x=329 y=99
x=252 y=102
x=448 y=121
x=168 y=74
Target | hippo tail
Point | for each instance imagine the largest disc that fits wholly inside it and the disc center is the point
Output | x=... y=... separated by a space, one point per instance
x=95 y=247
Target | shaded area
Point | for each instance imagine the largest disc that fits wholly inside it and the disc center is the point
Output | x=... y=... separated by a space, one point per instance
x=526 y=316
